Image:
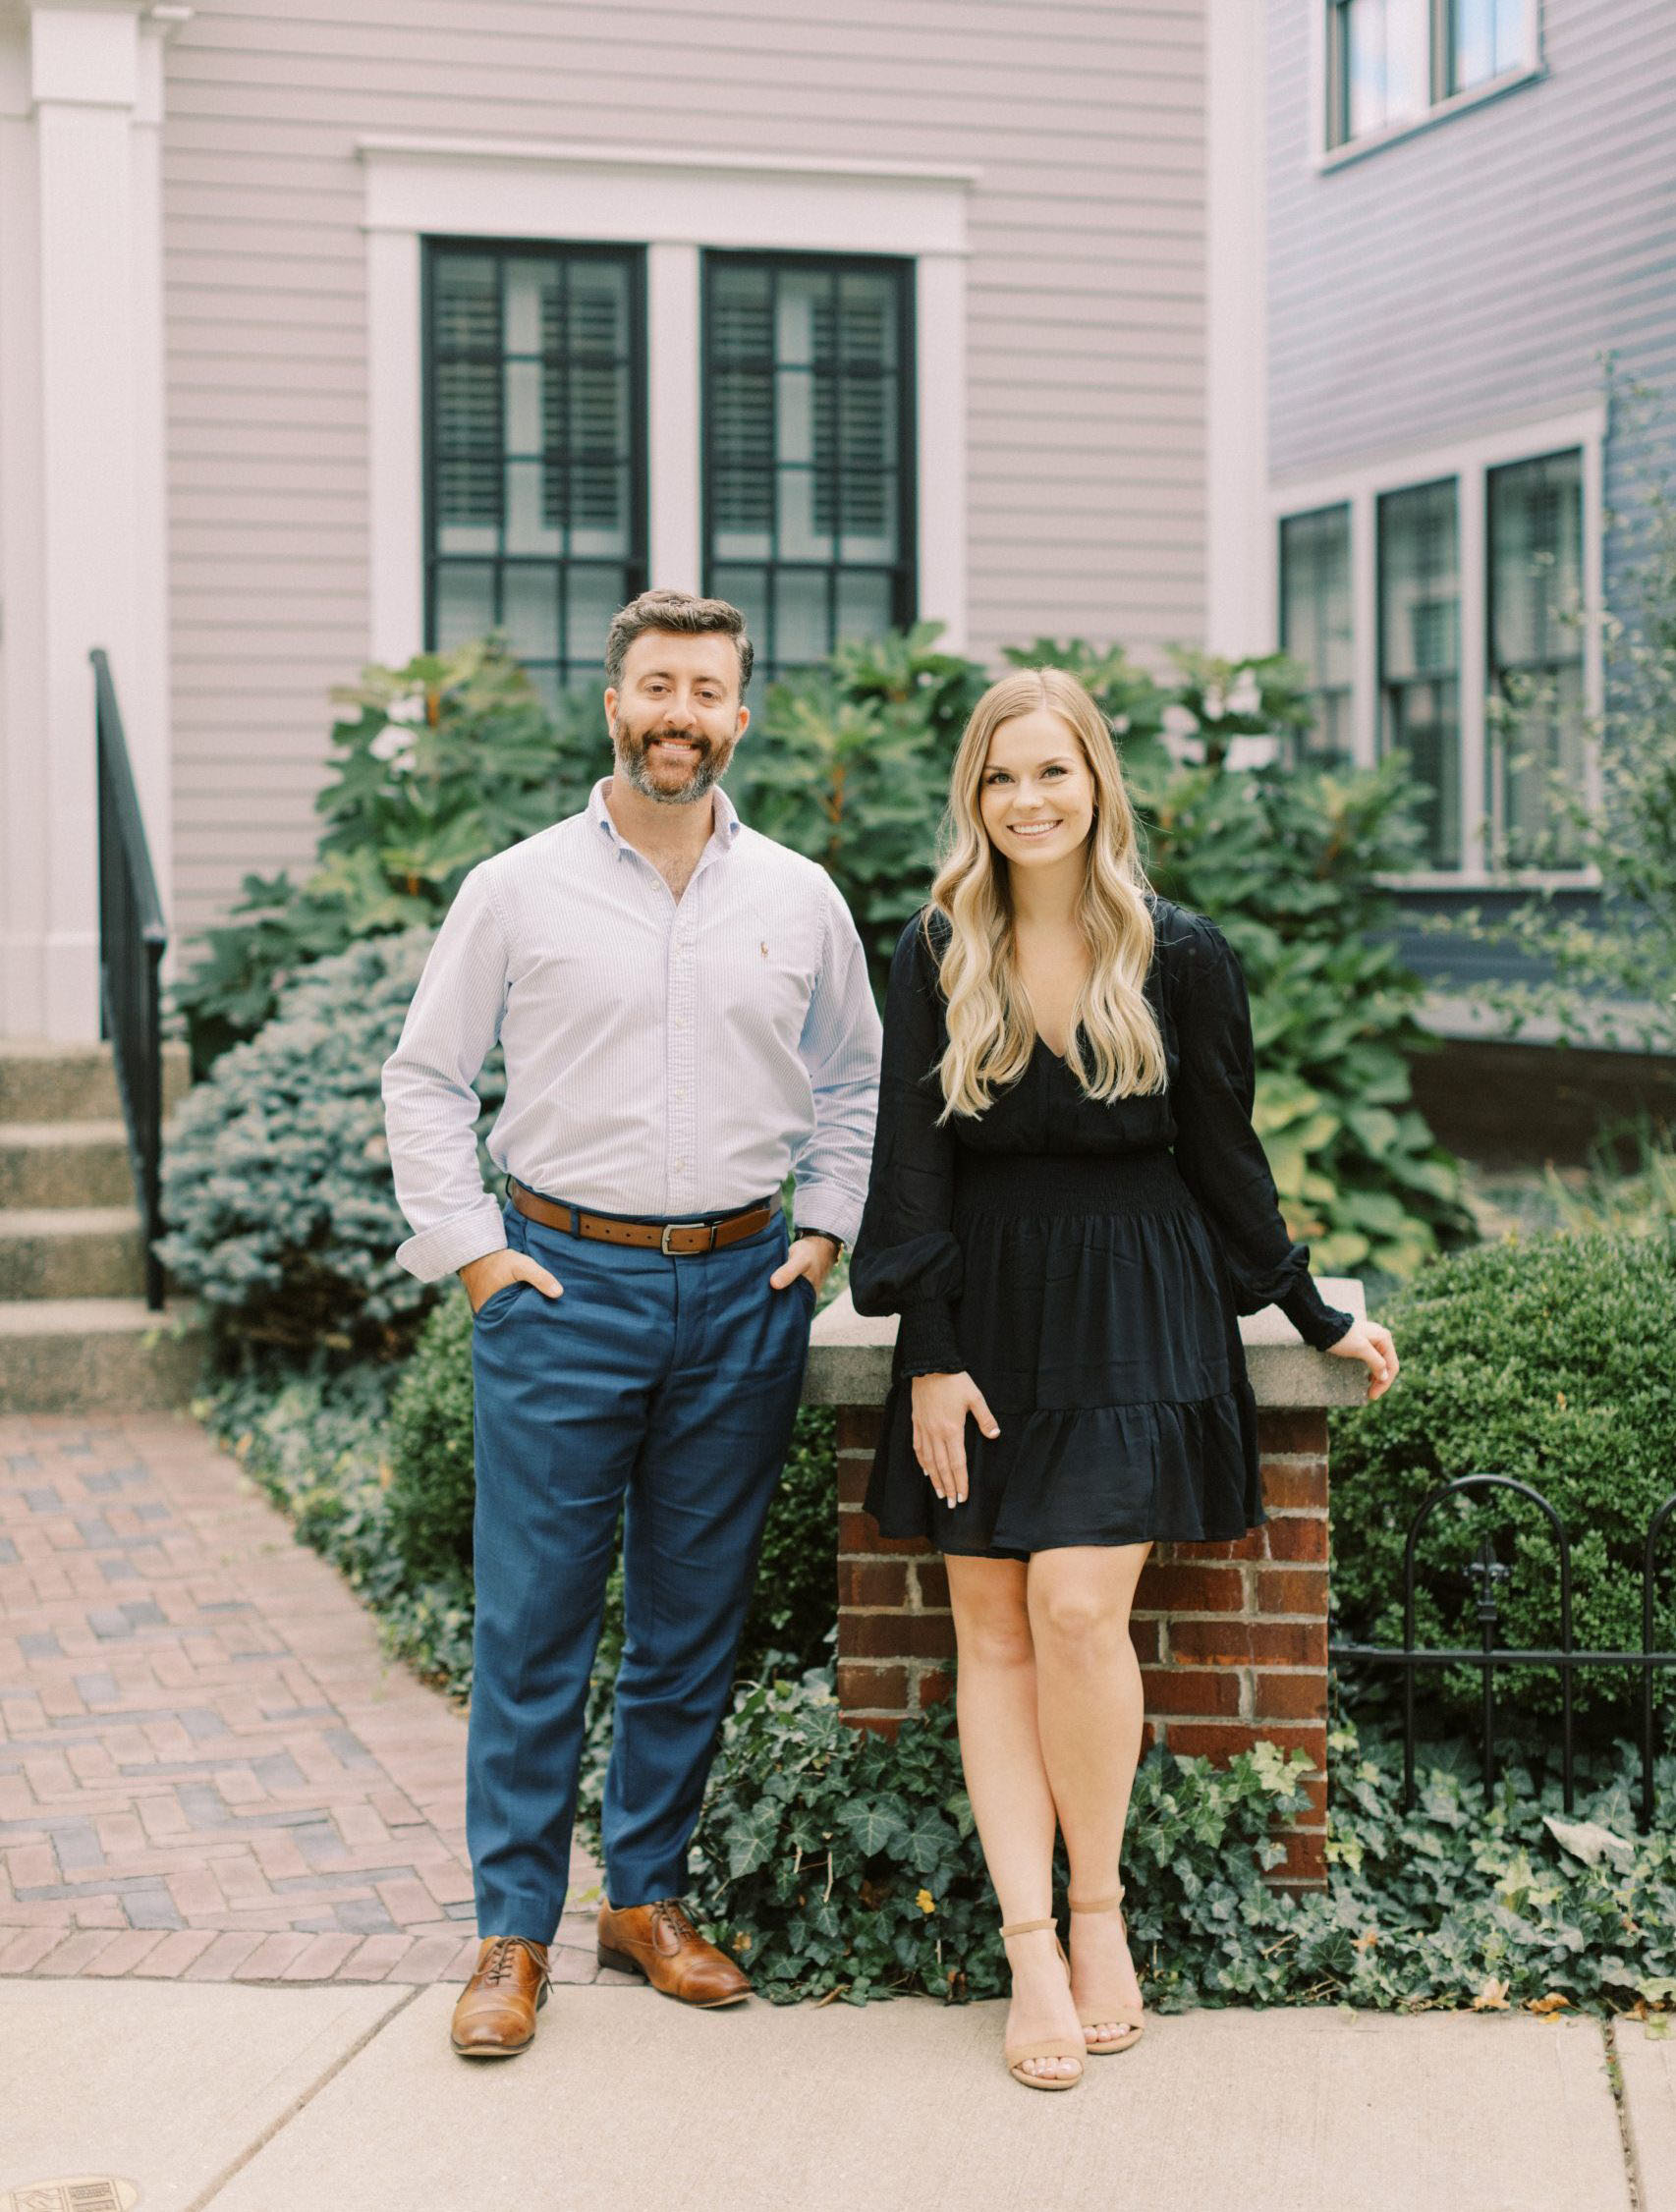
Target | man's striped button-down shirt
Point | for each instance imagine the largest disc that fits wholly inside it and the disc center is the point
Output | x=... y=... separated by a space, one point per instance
x=663 y=1058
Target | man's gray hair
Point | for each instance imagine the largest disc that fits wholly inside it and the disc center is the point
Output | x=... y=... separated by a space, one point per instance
x=687 y=617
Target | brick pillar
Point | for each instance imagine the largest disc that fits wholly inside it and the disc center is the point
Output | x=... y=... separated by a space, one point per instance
x=1232 y=1638
x=895 y=1630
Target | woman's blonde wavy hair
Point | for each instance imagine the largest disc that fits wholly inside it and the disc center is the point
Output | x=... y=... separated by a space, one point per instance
x=1115 y=1049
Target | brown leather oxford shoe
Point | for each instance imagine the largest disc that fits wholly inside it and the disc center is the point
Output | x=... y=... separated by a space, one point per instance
x=661 y=1942
x=495 y=2017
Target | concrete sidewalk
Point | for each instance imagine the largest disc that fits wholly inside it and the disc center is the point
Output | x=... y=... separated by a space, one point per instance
x=179 y=2097
x=234 y=1908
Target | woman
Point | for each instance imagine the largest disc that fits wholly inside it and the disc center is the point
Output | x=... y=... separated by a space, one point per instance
x=1068 y=1208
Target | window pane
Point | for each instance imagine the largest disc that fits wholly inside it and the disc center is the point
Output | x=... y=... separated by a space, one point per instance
x=805 y=398
x=1384 y=60
x=1488 y=39
x=748 y=591
x=537 y=438
x=1536 y=652
x=1315 y=621
x=801 y=631
x=592 y=597
x=465 y=603
x=864 y=603
x=530 y=611
x=1420 y=610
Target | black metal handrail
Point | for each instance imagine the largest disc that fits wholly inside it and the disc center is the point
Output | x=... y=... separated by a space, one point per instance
x=1492 y=1655
x=132 y=943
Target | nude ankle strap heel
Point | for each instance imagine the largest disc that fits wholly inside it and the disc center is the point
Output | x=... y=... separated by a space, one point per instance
x=1125 y=2016
x=1051 y=2046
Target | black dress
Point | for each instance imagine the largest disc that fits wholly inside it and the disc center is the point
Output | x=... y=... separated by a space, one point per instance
x=1086 y=1262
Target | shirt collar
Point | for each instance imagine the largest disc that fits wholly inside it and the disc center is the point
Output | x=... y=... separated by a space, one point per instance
x=723 y=836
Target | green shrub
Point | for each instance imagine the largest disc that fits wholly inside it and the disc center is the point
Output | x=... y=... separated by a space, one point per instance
x=454 y=756
x=795 y=1603
x=281 y=1213
x=1548 y=1361
x=434 y=767
x=433 y=1487
x=833 y=1863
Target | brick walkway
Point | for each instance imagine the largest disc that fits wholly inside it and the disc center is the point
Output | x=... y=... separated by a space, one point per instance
x=208 y=1769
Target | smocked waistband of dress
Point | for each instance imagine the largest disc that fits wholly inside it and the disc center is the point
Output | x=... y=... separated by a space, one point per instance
x=1072 y=1183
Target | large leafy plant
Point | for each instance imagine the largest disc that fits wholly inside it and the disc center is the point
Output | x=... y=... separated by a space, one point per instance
x=433 y=766
x=440 y=763
x=849 y=764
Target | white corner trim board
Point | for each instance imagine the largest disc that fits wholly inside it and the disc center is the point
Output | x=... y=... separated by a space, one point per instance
x=419 y=187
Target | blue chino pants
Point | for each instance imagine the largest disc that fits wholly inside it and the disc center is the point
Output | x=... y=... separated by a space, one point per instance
x=664 y=1389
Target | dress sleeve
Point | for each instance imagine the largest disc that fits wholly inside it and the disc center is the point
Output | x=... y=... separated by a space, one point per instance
x=906 y=1258
x=1219 y=1153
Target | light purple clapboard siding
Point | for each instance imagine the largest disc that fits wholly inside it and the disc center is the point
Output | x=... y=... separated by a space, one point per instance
x=1481 y=267
x=1085 y=288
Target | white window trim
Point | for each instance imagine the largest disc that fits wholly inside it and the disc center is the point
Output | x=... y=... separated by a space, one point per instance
x=1469 y=461
x=1324 y=157
x=419 y=187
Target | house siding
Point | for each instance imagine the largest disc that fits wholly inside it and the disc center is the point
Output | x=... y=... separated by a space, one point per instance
x=1477 y=270
x=1085 y=307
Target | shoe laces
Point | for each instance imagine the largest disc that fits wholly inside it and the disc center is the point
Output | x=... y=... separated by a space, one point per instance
x=668 y=1914
x=498 y=1965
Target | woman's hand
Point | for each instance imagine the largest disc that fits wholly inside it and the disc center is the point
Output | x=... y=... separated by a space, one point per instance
x=941 y=1404
x=1373 y=1346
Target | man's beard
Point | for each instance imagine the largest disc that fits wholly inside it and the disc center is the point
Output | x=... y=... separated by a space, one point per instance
x=707 y=769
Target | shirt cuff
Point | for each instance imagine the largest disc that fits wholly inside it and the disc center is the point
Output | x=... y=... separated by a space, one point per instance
x=927 y=1342
x=1318 y=1324
x=455 y=1242
x=838 y=1214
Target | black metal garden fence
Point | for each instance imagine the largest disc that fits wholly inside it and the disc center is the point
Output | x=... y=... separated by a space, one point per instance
x=1490 y=1573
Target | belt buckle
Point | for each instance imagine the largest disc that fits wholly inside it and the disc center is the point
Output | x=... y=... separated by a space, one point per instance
x=669 y=1230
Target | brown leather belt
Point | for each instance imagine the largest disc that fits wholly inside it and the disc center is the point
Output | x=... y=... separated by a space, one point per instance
x=676 y=1239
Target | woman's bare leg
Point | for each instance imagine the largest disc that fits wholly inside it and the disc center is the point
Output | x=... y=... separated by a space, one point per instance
x=1089 y=1706
x=995 y=1700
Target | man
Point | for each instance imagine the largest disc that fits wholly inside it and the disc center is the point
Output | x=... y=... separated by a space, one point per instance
x=686 y=1016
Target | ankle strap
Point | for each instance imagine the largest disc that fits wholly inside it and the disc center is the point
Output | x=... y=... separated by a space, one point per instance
x=1024 y=1928
x=1098 y=1903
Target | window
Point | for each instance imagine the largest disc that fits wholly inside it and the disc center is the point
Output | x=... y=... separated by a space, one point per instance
x=536 y=435
x=1390 y=63
x=808 y=465
x=1486 y=38
x=1420 y=653
x=1315 y=624
x=1534 y=651
x=1381 y=65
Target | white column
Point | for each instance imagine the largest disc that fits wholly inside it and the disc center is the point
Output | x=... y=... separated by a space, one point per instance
x=396 y=444
x=1240 y=610
x=939 y=309
x=84 y=553
x=674 y=371
x=1476 y=830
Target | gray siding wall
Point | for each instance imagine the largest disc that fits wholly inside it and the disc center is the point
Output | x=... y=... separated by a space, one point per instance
x=1480 y=268
x=1087 y=495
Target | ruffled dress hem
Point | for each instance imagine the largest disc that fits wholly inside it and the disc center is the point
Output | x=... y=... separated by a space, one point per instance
x=1151 y=1471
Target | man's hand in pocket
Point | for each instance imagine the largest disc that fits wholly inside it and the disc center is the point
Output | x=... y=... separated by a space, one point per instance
x=495 y=1270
